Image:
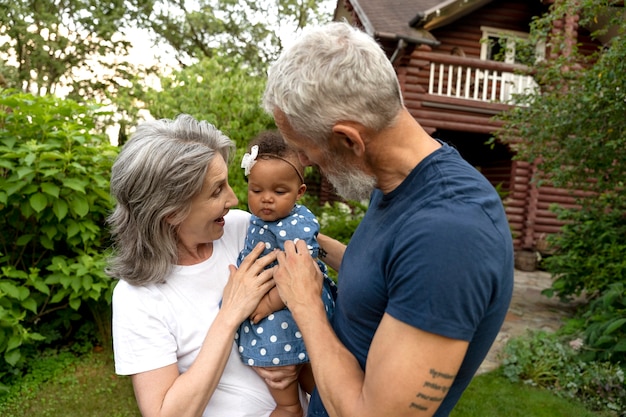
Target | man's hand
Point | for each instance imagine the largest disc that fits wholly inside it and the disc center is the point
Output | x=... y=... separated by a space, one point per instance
x=298 y=277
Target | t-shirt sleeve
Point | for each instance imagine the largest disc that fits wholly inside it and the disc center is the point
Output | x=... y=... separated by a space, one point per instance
x=142 y=340
x=440 y=287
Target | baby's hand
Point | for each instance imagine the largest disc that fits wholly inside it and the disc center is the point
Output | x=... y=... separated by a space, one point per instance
x=270 y=303
x=262 y=310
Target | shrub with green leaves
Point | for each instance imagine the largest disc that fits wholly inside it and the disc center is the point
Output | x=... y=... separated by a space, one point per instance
x=590 y=248
x=340 y=220
x=605 y=325
x=557 y=362
x=54 y=199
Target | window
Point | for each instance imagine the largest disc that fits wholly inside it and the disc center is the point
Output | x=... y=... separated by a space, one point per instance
x=509 y=46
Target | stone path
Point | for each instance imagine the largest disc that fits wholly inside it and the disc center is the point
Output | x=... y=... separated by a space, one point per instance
x=529 y=310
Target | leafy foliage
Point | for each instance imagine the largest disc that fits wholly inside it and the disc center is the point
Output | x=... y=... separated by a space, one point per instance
x=57 y=44
x=53 y=203
x=591 y=250
x=605 y=325
x=340 y=220
x=243 y=30
x=549 y=361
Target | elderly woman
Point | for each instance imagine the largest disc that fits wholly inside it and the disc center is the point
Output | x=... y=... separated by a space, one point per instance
x=180 y=298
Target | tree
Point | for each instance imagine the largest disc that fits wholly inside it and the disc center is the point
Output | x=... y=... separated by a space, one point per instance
x=246 y=31
x=68 y=45
x=575 y=133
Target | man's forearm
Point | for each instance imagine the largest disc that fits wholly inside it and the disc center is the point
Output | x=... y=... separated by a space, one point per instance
x=338 y=375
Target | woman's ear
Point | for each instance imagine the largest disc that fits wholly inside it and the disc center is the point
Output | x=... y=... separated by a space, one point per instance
x=171 y=219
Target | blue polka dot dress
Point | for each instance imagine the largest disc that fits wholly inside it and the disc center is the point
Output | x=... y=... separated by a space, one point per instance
x=276 y=340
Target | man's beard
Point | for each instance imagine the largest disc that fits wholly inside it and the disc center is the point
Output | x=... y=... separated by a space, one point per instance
x=351 y=184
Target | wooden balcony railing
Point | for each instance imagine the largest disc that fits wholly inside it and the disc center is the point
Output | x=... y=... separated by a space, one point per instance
x=475 y=79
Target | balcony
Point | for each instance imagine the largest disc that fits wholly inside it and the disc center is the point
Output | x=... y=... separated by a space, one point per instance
x=474 y=79
x=457 y=93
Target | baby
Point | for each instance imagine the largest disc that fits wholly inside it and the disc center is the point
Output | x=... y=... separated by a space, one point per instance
x=270 y=337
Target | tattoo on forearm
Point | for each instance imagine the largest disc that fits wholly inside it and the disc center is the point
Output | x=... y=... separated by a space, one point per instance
x=436 y=387
x=436 y=374
x=418 y=406
x=429 y=398
x=424 y=398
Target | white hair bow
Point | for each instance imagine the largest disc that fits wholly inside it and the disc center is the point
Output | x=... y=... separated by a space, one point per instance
x=249 y=159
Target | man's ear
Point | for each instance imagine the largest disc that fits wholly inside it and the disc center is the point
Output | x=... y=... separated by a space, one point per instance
x=347 y=136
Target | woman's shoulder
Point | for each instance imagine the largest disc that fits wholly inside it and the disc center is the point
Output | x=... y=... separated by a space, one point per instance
x=133 y=297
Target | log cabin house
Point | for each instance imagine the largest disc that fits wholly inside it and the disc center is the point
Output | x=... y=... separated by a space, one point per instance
x=459 y=63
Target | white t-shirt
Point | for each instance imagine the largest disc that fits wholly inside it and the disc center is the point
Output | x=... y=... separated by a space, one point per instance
x=157 y=325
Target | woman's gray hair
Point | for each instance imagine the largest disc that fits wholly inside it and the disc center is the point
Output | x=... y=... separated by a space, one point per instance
x=153 y=180
x=333 y=73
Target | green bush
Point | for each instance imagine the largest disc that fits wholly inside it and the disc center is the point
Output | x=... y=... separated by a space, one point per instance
x=605 y=325
x=552 y=361
x=590 y=261
x=590 y=248
x=54 y=199
x=340 y=220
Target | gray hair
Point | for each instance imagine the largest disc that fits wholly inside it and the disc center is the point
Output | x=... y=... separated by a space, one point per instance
x=154 y=178
x=332 y=73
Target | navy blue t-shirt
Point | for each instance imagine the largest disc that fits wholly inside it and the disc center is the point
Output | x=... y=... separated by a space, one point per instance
x=435 y=253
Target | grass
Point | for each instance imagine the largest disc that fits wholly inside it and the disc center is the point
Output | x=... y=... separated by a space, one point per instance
x=492 y=395
x=62 y=385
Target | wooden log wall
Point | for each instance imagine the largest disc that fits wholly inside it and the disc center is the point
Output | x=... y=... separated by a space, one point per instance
x=465 y=33
x=516 y=204
x=529 y=208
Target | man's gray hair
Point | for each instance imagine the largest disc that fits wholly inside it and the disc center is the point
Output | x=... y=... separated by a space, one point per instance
x=333 y=73
x=153 y=180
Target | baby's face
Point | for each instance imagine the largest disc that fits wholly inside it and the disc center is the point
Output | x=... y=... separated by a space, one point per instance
x=273 y=188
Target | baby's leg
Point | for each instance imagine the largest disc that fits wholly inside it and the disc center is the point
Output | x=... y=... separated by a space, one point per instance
x=287 y=401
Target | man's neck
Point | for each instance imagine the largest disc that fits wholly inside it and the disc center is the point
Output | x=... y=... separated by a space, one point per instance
x=394 y=152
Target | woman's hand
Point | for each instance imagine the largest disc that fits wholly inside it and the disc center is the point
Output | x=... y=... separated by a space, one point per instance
x=247 y=284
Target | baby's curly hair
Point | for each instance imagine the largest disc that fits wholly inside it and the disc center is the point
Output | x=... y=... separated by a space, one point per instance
x=271 y=143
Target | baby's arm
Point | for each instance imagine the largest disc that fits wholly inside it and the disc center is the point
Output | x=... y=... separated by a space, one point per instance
x=270 y=303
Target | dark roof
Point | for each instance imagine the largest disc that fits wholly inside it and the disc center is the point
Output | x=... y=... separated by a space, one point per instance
x=409 y=20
